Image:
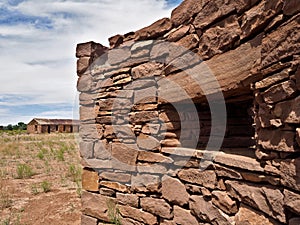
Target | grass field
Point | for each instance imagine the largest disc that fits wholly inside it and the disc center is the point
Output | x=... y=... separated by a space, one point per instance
x=40 y=179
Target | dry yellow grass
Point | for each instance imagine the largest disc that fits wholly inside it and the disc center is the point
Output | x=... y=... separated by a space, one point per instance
x=34 y=169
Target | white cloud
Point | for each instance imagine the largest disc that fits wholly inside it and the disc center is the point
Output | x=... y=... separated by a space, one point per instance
x=39 y=63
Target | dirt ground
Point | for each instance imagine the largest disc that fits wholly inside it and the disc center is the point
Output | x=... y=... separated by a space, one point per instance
x=40 y=179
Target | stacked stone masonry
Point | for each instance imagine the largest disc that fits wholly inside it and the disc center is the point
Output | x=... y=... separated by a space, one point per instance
x=143 y=147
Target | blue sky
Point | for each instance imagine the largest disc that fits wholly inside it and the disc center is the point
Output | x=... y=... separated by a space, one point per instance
x=37 y=49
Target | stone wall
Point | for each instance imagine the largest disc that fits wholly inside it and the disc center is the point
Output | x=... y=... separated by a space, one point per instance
x=194 y=119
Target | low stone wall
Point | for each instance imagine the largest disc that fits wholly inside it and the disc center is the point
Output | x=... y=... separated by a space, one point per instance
x=194 y=119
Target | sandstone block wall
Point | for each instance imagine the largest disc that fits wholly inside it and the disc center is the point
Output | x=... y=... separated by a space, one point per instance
x=152 y=116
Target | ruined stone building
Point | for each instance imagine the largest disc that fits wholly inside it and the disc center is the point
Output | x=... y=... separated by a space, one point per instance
x=194 y=119
x=39 y=126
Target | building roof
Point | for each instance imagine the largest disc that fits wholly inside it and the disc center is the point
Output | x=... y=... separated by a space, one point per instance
x=42 y=121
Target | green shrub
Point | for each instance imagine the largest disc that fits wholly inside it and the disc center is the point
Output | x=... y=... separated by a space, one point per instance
x=24 y=171
x=46 y=186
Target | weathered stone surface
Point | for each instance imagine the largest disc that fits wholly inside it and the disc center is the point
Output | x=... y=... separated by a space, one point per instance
x=297 y=76
x=143 y=117
x=116 y=40
x=294 y=221
x=86 y=149
x=96 y=163
x=147 y=142
x=189 y=42
x=90 y=180
x=125 y=153
x=153 y=157
x=288 y=111
x=272 y=80
x=142 y=45
x=114 y=176
x=157 y=207
x=290 y=174
x=102 y=150
x=95 y=205
x=90 y=131
x=114 y=185
x=224 y=202
x=89 y=49
x=148 y=69
x=249 y=216
x=238 y=161
x=266 y=199
x=87 y=113
x=290 y=7
x=128 y=221
x=86 y=220
x=183 y=216
x=128 y=199
x=185 y=11
x=85 y=83
x=220 y=38
x=82 y=64
x=145 y=182
x=151 y=168
x=298 y=136
x=155 y=30
x=284 y=41
x=118 y=55
x=204 y=210
x=179 y=33
x=226 y=172
x=136 y=214
x=107 y=192
x=277 y=140
x=258 y=178
x=174 y=191
x=280 y=92
x=292 y=201
x=170 y=143
x=211 y=11
x=258 y=16
x=206 y=178
x=145 y=95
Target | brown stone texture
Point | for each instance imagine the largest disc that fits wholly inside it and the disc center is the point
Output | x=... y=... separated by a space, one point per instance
x=174 y=191
x=136 y=214
x=249 y=216
x=277 y=140
x=95 y=205
x=183 y=216
x=204 y=210
x=125 y=153
x=157 y=207
x=290 y=175
x=281 y=43
x=292 y=201
x=279 y=92
x=90 y=180
x=128 y=199
x=268 y=200
x=155 y=30
x=238 y=161
x=288 y=111
x=206 y=178
x=86 y=220
x=153 y=101
x=223 y=201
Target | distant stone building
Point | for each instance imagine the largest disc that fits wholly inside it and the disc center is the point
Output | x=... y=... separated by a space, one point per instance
x=38 y=126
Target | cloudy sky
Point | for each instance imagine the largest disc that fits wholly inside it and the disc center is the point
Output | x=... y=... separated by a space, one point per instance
x=37 y=48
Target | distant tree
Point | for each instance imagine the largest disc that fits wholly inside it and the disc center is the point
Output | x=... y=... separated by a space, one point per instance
x=9 y=127
x=22 y=126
